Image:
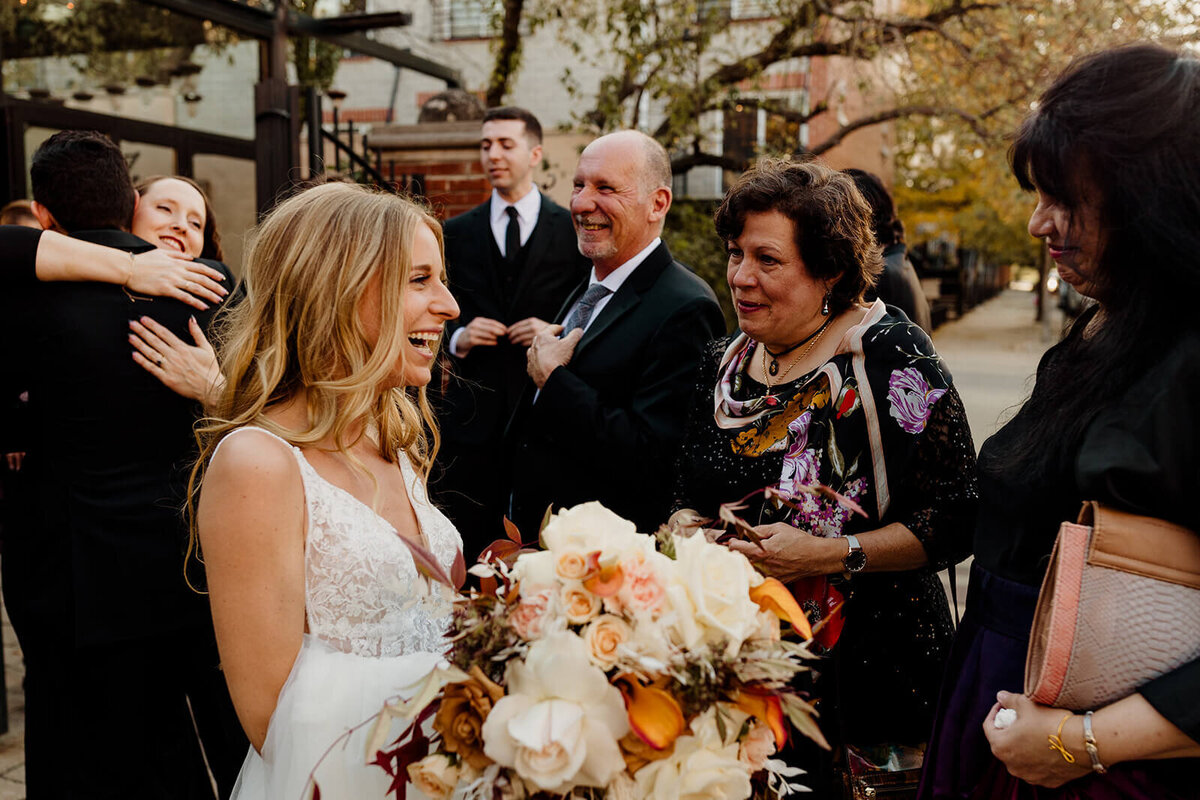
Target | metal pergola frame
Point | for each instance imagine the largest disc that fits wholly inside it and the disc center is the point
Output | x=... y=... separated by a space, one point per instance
x=276 y=105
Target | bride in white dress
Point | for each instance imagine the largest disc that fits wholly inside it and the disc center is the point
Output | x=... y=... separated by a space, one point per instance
x=314 y=477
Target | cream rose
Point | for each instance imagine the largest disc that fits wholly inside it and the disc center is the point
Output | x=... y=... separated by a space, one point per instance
x=590 y=527
x=702 y=767
x=559 y=724
x=578 y=604
x=604 y=638
x=535 y=570
x=434 y=775
x=709 y=595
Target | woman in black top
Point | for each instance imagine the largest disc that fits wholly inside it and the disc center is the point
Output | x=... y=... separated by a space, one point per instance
x=821 y=388
x=1113 y=152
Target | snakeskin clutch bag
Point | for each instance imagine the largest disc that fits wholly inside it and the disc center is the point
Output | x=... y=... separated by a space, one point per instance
x=1119 y=606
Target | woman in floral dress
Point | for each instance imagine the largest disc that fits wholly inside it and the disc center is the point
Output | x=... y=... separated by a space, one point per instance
x=819 y=388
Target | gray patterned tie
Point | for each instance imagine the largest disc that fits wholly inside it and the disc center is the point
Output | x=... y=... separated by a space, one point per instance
x=579 y=316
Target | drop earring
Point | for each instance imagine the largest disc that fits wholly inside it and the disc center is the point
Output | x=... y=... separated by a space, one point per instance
x=825 y=305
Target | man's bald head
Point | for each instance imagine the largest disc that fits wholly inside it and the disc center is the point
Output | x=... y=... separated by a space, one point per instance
x=621 y=196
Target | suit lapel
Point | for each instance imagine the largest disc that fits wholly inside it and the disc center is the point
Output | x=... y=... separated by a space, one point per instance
x=539 y=240
x=628 y=296
x=486 y=244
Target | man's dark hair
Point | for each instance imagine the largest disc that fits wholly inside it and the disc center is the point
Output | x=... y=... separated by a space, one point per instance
x=533 y=128
x=888 y=230
x=82 y=178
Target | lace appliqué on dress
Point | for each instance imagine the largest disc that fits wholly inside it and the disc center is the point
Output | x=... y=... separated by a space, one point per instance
x=363 y=594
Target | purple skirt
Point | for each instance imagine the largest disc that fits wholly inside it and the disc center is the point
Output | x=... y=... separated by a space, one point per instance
x=988 y=656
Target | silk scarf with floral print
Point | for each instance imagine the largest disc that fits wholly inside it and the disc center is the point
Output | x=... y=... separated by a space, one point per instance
x=843 y=426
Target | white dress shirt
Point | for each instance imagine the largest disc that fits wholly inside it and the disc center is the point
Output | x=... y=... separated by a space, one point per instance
x=614 y=280
x=527 y=208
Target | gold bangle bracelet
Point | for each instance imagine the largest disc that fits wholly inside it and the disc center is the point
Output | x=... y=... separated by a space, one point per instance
x=1056 y=742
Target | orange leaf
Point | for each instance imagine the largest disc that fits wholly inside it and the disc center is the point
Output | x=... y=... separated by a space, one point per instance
x=510 y=528
x=771 y=595
x=653 y=713
x=768 y=710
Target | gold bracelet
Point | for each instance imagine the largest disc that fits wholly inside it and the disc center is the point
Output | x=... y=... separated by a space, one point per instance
x=1056 y=742
x=1089 y=744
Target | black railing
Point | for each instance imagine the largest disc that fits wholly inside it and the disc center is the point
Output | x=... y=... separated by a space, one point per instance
x=361 y=163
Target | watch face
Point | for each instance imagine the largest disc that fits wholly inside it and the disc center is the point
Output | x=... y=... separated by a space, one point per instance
x=855 y=560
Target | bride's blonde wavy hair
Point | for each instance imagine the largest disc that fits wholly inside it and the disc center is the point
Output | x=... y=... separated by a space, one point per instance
x=308 y=266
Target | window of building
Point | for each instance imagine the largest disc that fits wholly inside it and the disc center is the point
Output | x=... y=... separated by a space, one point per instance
x=466 y=19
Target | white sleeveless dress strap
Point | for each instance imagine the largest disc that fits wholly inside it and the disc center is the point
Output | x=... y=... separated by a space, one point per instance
x=376 y=628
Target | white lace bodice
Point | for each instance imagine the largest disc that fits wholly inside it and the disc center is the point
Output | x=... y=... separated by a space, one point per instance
x=363 y=594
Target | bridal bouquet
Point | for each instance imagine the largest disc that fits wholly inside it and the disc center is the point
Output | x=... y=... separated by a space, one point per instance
x=609 y=664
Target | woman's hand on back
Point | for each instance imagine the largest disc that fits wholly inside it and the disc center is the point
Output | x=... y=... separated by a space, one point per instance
x=188 y=370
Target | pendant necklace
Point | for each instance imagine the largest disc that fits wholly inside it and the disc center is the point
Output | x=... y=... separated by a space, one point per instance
x=773 y=369
x=769 y=398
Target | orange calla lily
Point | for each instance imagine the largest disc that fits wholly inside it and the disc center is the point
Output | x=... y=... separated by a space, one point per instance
x=654 y=715
x=768 y=710
x=773 y=596
x=603 y=581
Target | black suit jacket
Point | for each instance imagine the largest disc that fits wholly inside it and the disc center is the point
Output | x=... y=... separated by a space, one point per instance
x=482 y=390
x=609 y=424
x=109 y=452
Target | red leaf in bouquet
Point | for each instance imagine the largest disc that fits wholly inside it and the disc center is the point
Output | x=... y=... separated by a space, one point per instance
x=427 y=564
x=840 y=499
x=600 y=580
x=771 y=595
x=654 y=715
x=766 y=708
x=822 y=604
x=500 y=550
x=458 y=570
x=315 y=794
x=510 y=529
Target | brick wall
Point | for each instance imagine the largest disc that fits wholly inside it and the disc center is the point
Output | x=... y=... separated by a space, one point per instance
x=444 y=154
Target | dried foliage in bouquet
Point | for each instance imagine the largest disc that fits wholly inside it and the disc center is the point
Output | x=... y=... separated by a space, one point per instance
x=608 y=664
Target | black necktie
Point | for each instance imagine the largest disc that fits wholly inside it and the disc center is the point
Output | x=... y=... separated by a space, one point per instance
x=512 y=236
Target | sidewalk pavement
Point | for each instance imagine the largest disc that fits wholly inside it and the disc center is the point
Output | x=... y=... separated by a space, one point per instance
x=992 y=353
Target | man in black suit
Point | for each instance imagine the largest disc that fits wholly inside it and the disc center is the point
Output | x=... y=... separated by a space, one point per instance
x=511 y=261
x=612 y=392
x=116 y=643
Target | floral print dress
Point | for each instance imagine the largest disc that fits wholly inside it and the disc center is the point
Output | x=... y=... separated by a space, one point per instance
x=881 y=424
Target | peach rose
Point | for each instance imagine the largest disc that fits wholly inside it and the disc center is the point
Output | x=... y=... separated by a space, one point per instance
x=434 y=775
x=579 y=604
x=644 y=589
x=571 y=565
x=757 y=747
x=460 y=717
x=604 y=637
x=533 y=611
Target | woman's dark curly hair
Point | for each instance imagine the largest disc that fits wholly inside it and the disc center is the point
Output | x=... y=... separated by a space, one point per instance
x=833 y=223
